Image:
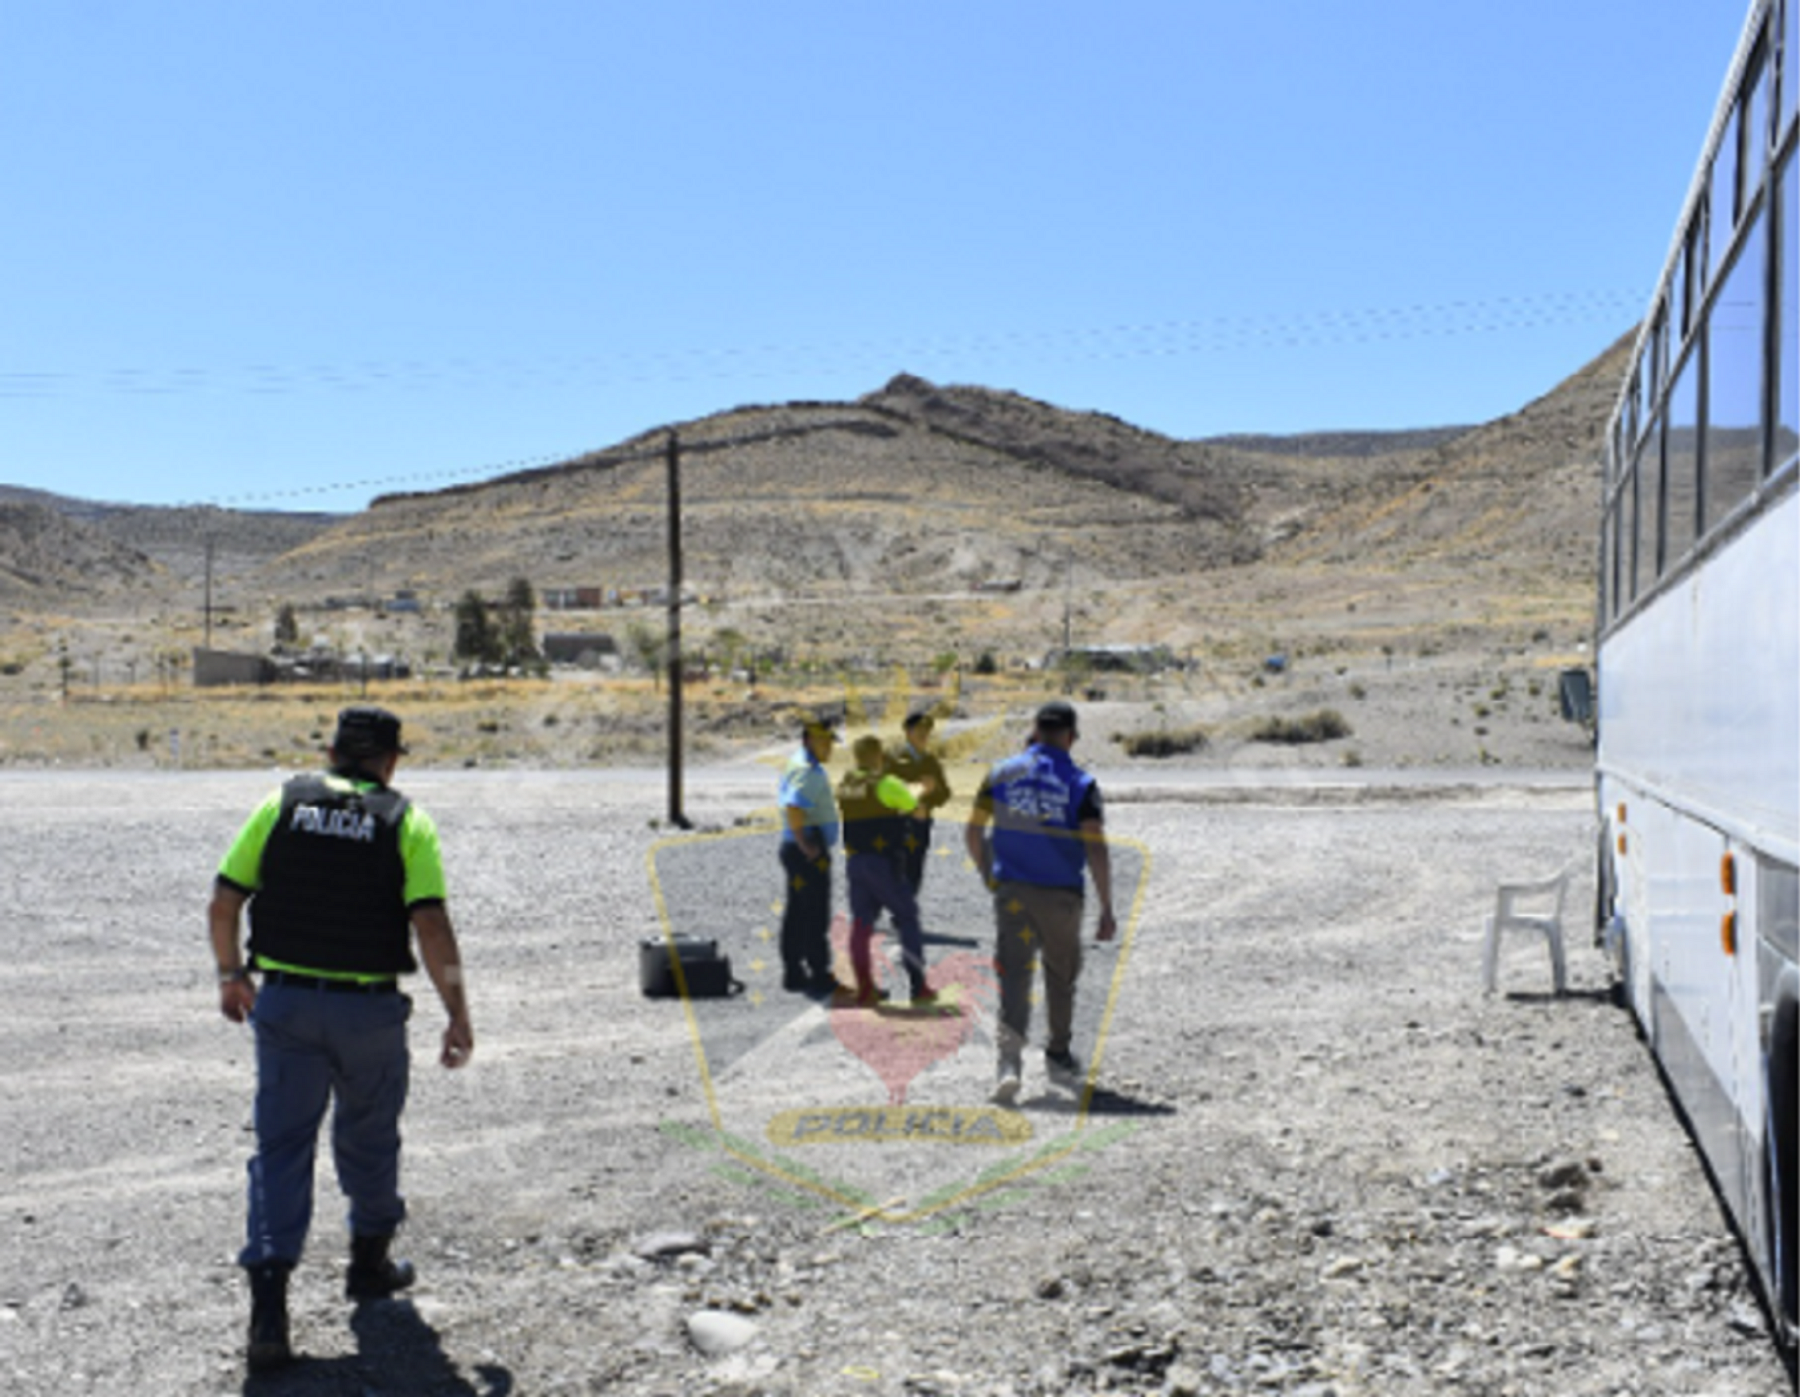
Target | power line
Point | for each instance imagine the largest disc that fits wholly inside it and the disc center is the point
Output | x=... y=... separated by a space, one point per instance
x=1171 y=338
x=1150 y=339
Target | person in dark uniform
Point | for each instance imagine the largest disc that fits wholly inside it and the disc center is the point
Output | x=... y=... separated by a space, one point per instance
x=809 y=829
x=913 y=761
x=340 y=872
x=1048 y=831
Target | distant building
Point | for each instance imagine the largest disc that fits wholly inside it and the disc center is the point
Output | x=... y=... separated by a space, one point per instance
x=572 y=598
x=585 y=650
x=1132 y=659
x=215 y=667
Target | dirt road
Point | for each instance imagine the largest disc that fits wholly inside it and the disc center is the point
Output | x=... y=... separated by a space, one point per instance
x=1316 y=1158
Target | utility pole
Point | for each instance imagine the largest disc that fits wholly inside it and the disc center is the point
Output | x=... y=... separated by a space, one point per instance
x=209 y=605
x=676 y=815
x=1068 y=601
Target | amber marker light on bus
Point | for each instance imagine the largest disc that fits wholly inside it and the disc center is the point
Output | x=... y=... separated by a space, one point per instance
x=1728 y=886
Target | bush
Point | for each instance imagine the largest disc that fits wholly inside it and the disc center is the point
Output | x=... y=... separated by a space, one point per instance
x=1324 y=726
x=1164 y=742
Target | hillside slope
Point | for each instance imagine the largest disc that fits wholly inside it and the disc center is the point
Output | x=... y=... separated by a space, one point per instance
x=50 y=560
x=962 y=517
x=809 y=498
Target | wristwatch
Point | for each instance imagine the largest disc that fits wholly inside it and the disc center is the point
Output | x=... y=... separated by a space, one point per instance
x=227 y=976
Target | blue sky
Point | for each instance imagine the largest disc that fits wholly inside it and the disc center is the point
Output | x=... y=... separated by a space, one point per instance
x=291 y=256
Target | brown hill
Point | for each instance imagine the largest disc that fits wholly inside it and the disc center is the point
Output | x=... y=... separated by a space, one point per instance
x=965 y=518
x=50 y=560
x=909 y=490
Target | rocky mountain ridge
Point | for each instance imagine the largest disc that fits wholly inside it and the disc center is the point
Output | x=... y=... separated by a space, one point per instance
x=914 y=491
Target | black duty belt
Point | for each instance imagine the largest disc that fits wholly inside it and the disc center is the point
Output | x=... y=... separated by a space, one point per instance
x=326 y=982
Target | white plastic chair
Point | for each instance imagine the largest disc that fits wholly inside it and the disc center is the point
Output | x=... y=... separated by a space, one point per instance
x=1534 y=908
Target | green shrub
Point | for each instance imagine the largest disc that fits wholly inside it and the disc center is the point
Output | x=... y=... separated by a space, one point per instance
x=1164 y=742
x=1324 y=726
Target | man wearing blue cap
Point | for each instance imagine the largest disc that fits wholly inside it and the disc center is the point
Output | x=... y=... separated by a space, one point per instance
x=1048 y=831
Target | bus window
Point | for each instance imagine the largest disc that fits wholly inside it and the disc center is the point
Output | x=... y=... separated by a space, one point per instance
x=1683 y=449
x=1787 y=301
x=1657 y=359
x=1790 y=64
x=1721 y=198
x=1647 y=561
x=1610 y=564
x=1756 y=128
x=1734 y=381
x=1683 y=300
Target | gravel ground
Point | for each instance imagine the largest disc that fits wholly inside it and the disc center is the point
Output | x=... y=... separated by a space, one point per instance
x=1314 y=1158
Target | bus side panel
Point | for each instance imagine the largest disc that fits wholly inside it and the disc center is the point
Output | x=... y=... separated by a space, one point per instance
x=1699 y=706
x=1699 y=693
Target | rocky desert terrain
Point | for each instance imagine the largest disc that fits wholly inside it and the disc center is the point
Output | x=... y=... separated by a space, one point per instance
x=1313 y=1156
x=915 y=538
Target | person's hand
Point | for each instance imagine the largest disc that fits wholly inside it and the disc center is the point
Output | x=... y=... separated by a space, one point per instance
x=237 y=998
x=1108 y=927
x=459 y=1044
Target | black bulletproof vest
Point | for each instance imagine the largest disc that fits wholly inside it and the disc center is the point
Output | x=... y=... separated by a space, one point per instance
x=333 y=893
x=869 y=826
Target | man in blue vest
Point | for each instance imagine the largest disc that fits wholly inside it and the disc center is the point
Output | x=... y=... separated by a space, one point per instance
x=1048 y=831
x=340 y=872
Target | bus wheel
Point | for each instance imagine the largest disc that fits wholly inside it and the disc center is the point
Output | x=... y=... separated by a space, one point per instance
x=1780 y=1163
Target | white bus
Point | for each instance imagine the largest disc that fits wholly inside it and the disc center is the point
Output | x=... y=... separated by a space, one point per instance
x=1698 y=649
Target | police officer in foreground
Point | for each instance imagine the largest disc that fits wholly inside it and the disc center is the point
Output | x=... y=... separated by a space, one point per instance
x=340 y=872
x=1048 y=832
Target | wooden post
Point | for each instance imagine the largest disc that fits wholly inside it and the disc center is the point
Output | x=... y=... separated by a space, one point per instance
x=209 y=575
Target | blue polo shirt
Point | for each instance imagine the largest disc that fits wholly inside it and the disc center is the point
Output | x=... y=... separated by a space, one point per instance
x=806 y=787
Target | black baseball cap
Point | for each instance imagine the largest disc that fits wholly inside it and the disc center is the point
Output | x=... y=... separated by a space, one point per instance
x=1057 y=715
x=364 y=730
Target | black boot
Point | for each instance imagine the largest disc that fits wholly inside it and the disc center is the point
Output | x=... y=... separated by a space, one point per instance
x=268 y=1346
x=372 y=1275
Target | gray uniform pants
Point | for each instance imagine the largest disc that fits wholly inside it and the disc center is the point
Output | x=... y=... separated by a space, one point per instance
x=1034 y=924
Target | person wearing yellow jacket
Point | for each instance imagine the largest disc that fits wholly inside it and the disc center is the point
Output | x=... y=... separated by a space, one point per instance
x=875 y=808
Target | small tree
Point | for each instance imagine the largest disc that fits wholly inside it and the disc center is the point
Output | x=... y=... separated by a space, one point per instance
x=518 y=616
x=287 y=626
x=476 y=638
x=730 y=643
x=648 y=646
